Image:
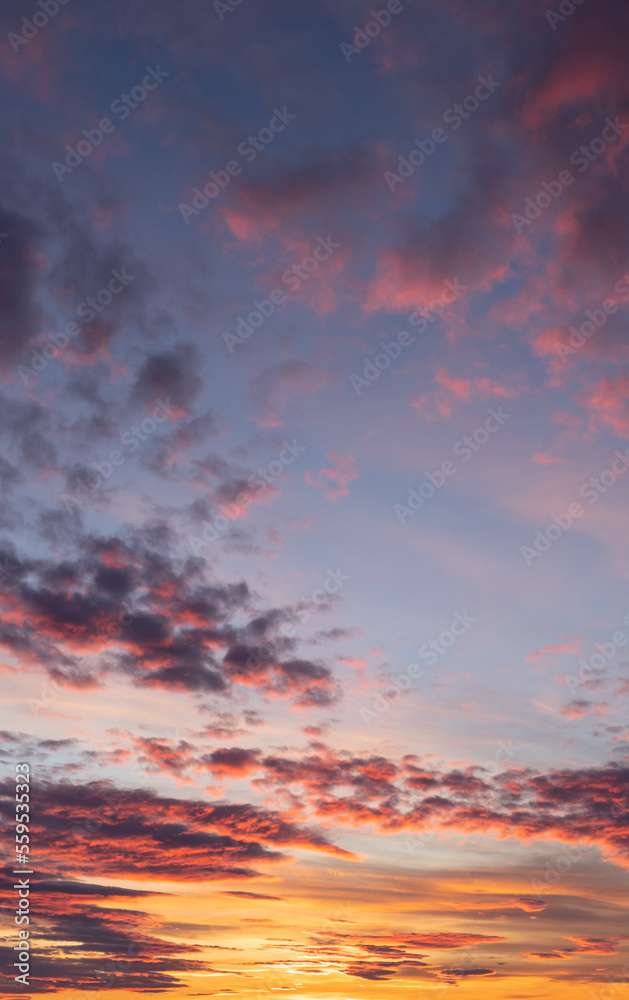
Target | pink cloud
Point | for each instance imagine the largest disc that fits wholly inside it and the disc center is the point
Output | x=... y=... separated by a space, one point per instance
x=455 y=391
x=580 y=709
x=541 y=459
x=607 y=403
x=334 y=481
x=566 y=647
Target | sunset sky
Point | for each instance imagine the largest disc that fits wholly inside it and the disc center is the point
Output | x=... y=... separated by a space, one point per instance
x=314 y=617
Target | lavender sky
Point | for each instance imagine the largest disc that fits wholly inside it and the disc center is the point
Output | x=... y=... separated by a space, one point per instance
x=313 y=553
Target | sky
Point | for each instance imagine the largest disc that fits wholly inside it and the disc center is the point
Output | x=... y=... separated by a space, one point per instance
x=314 y=619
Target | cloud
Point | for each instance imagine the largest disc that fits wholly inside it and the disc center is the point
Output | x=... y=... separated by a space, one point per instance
x=50 y=884
x=253 y=895
x=455 y=391
x=175 y=632
x=21 y=265
x=232 y=761
x=53 y=260
x=486 y=901
x=583 y=804
x=170 y=375
x=565 y=647
x=258 y=666
x=585 y=946
x=343 y=789
x=544 y=955
x=607 y=404
x=580 y=708
x=529 y=905
x=388 y=955
x=597 y=946
x=463 y=973
x=131 y=834
x=111 y=947
x=333 y=481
